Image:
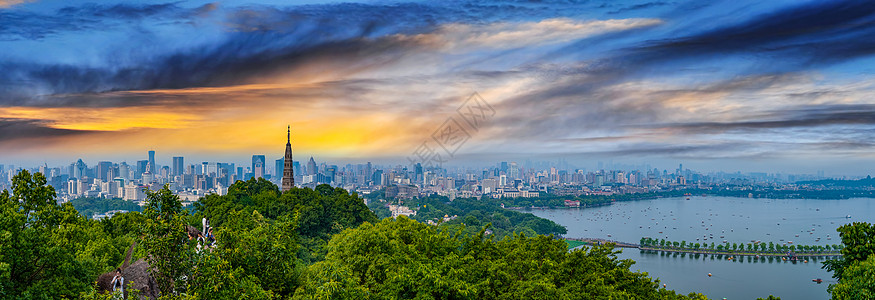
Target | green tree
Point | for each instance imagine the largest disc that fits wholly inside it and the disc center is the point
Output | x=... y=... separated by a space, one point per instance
x=858 y=239
x=166 y=240
x=47 y=251
x=856 y=282
x=265 y=249
x=406 y=259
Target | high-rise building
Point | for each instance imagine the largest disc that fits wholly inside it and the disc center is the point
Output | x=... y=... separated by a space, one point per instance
x=278 y=167
x=513 y=172
x=311 y=167
x=103 y=171
x=288 y=172
x=178 y=165
x=229 y=168
x=152 y=161
x=124 y=171
x=258 y=166
x=296 y=168
x=141 y=168
x=147 y=176
x=79 y=169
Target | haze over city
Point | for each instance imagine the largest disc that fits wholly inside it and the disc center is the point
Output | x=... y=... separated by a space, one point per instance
x=726 y=85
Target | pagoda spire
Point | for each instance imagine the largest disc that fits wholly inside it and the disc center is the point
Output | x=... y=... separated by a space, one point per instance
x=288 y=180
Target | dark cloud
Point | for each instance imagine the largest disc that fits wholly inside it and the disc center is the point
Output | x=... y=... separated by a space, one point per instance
x=28 y=25
x=678 y=150
x=16 y=129
x=118 y=11
x=640 y=6
x=807 y=116
x=825 y=31
x=262 y=40
x=237 y=61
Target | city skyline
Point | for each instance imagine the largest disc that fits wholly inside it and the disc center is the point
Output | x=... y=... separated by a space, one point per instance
x=781 y=86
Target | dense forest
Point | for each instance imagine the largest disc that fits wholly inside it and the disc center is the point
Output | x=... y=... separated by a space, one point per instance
x=470 y=214
x=321 y=243
x=88 y=207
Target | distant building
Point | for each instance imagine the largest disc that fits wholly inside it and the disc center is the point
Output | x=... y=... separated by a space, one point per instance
x=178 y=165
x=402 y=191
x=258 y=166
x=278 y=167
x=152 y=161
x=398 y=210
x=311 y=167
x=104 y=169
x=141 y=168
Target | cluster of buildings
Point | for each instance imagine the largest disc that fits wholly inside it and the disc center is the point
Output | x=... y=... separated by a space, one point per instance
x=190 y=181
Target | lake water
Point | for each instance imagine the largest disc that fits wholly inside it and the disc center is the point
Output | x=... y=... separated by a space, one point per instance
x=713 y=220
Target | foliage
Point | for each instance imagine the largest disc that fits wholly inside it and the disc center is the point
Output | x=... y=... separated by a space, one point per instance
x=165 y=239
x=47 y=251
x=857 y=282
x=406 y=259
x=856 y=268
x=90 y=206
x=858 y=239
x=380 y=208
x=473 y=213
x=752 y=248
x=263 y=249
x=321 y=243
x=319 y=212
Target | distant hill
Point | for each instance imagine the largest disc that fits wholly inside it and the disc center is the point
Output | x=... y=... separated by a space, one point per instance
x=868 y=181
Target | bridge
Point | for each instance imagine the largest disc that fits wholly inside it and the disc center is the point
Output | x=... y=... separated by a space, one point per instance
x=604 y=241
x=793 y=256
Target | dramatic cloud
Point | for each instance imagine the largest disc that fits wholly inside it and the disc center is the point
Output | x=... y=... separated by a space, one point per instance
x=717 y=81
x=15 y=130
x=809 y=116
x=457 y=37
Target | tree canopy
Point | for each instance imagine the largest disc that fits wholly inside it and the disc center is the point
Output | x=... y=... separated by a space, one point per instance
x=855 y=269
x=325 y=243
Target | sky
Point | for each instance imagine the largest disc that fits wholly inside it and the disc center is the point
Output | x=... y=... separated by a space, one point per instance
x=717 y=85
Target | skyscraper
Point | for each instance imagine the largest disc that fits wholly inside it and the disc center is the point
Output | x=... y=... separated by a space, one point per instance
x=288 y=172
x=103 y=171
x=141 y=168
x=311 y=167
x=178 y=165
x=79 y=169
x=278 y=167
x=258 y=166
x=152 y=161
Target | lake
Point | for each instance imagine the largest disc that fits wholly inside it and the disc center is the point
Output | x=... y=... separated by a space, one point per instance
x=718 y=219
